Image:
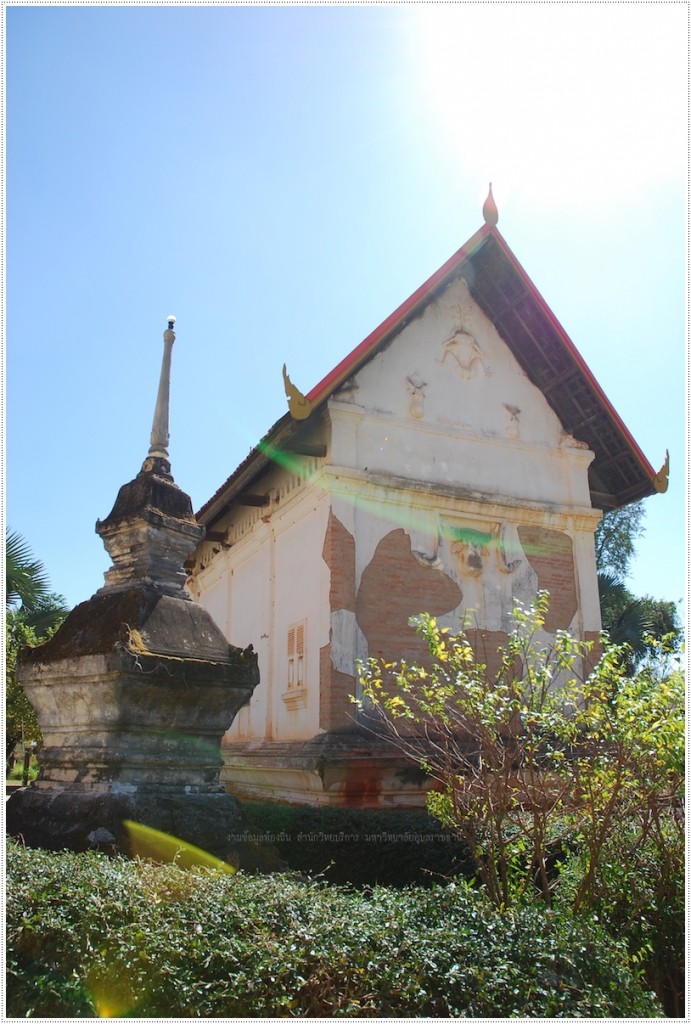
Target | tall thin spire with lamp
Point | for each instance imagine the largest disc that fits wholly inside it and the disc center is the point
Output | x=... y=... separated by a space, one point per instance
x=160 y=435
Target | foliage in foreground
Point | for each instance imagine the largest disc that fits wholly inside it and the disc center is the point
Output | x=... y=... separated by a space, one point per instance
x=549 y=772
x=89 y=936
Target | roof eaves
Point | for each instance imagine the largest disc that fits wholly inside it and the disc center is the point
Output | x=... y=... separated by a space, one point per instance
x=258 y=458
x=573 y=352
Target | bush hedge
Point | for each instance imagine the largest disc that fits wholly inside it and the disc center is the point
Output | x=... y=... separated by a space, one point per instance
x=90 y=936
x=356 y=846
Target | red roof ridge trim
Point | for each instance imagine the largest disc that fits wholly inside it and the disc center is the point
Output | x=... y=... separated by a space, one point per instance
x=360 y=353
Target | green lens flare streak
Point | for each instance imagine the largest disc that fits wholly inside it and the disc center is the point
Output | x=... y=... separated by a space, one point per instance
x=407 y=515
x=149 y=843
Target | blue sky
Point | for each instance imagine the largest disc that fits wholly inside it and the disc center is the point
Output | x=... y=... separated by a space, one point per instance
x=281 y=178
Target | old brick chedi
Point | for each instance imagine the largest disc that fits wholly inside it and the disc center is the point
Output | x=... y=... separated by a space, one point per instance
x=138 y=686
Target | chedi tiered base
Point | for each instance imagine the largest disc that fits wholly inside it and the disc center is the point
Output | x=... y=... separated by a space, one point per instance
x=132 y=730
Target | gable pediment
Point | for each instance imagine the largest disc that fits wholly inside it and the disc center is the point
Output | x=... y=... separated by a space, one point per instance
x=574 y=404
x=449 y=369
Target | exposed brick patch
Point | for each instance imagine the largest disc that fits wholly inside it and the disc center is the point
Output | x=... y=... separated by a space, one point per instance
x=395 y=586
x=550 y=553
x=335 y=689
x=485 y=644
x=592 y=659
x=339 y=554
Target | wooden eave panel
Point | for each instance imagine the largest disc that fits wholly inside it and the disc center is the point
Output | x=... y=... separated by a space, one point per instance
x=541 y=348
x=247 y=472
x=284 y=436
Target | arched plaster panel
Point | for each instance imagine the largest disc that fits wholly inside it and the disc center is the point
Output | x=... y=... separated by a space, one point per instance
x=550 y=552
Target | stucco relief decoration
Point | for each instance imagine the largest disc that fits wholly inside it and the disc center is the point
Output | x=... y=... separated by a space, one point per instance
x=415 y=386
x=512 y=425
x=425 y=537
x=463 y=353
x=508 y=546
x=569 y=441
x=474 y=548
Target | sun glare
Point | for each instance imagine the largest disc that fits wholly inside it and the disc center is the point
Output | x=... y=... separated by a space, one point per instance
x=552 y=100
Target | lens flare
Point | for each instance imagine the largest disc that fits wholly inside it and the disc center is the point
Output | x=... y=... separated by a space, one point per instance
x=150 y=843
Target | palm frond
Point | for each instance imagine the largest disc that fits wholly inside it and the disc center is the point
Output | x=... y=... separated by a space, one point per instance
x=27 y=582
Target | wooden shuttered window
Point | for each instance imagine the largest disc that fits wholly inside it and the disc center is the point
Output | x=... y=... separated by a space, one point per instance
x=296 y=656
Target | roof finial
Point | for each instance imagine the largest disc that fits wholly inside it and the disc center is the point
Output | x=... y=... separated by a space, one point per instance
x=299 y=407
x=159 y=430
x=661 y=479
x=489 y=210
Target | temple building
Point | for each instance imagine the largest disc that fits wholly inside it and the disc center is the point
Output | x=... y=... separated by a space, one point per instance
x=457 y=460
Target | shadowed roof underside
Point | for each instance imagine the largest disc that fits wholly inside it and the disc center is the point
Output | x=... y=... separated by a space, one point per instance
x=618 y=475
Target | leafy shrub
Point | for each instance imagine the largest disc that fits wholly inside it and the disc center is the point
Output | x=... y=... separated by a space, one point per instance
x=90 y=936
x=565 y=787
x=532 y=758
x=639 y=895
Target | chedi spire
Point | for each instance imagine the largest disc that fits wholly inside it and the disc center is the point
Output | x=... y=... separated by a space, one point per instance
x=152 y=528
x=160 y=435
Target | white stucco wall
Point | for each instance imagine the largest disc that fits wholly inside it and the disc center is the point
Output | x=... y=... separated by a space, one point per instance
x=272 y=579
x=446 y=402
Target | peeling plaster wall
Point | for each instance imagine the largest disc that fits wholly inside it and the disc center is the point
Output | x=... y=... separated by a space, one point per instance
x=394 y=587
x=450 y=487
x=443 y=435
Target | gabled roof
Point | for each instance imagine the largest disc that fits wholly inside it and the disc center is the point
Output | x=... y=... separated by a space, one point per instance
x=620 y=472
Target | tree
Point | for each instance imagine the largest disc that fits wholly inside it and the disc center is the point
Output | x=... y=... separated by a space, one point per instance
x=27 y=581
x=28 y=588
x=629 y=620
x=625 y=619
x=492 y=744
x=32 y=614
x=615 y=539
x=664 y=622
x=539 y=755
x=21 y=724
x=638 y=625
